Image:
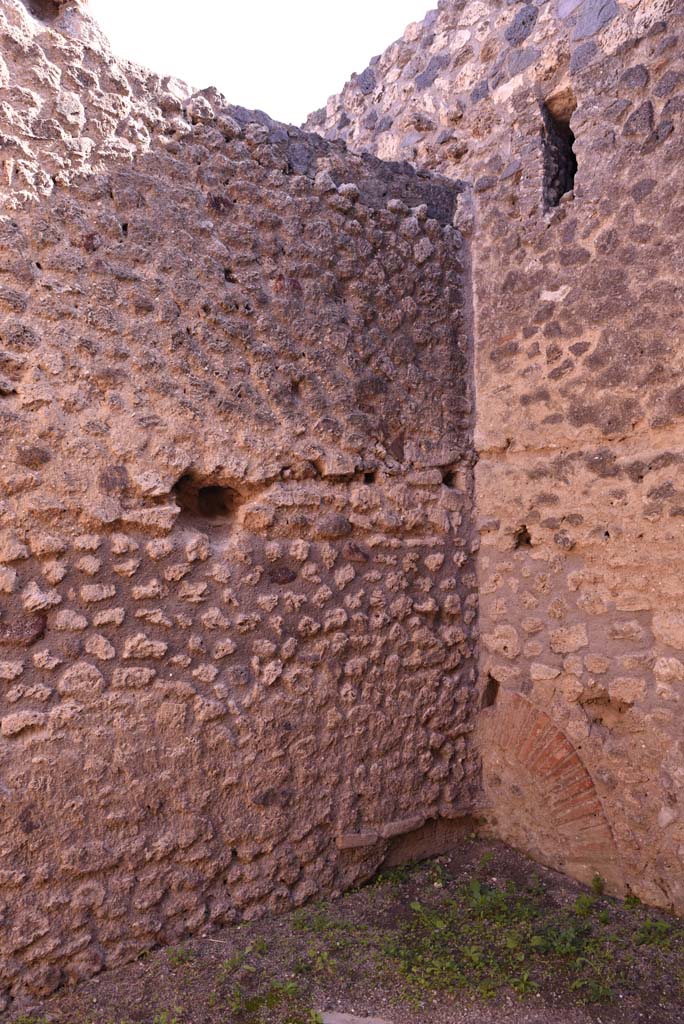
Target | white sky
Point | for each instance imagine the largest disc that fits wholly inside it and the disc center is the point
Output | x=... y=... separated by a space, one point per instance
x=282 y=56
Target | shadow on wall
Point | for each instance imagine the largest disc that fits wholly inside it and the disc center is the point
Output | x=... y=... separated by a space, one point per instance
x=560 y=162
x=44 y=10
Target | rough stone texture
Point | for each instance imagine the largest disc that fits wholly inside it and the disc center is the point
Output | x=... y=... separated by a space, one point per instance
x=238 y=514
x=237 y=590
x=580 y=407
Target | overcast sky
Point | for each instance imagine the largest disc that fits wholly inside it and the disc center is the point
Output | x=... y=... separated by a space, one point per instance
x=282 y=56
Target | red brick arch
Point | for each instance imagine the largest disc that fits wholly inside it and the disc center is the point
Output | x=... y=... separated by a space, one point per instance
x=536 y=782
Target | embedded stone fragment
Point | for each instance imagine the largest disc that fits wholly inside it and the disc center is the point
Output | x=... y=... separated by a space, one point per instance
x=100 y=647
x=668 y=627
x=109 y=617
x=224 y=648
x=89 y=565
x=133 y=678
x=141 y=646
x=68 y=620
x=8 y=580
x=627 y=690
x=197 y=548
x=593 y=15
x=43 y=544
x=11 y=669
x=36 y=600
x=12 y=725
x=503 y=640
x=12 y=550
x=45 y=660
x=569 y=639
x=82 y=680
x=93 y=593
x=540 y=672
x=22 y=630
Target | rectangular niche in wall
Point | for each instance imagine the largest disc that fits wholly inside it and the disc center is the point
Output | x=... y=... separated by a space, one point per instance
x=203 y=501
x=560 y=162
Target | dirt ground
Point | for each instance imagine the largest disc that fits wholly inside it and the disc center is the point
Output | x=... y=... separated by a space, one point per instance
x=482 y=936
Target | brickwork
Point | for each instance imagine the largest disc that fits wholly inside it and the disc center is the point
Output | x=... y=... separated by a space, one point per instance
x=528 y=754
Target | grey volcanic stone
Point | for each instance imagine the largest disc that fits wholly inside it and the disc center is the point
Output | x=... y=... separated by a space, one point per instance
x=566 y=7
x=641 y=121
x=593 y=16
x=366 y=81
x=521 y=26
x=583 y=55
x=427 y=77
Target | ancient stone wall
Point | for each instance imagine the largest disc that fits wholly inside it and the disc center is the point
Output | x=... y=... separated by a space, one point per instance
x=579 y=433
x=237 y=588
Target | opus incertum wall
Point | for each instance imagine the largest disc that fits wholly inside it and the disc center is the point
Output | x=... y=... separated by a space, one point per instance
x=566 y=119
x=237 y=590
x=241 y=535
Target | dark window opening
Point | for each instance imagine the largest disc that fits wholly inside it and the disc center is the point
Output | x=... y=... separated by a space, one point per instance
x=560 y=162
x=210 y=502
x=491 y=692
x=370 y=477
x=44 y=10
x=450 y=478
x=522 y=538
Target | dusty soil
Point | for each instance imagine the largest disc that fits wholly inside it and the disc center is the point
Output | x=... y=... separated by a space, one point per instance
x=482 y=936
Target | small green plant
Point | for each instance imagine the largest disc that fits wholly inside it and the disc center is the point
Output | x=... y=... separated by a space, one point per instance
x=653 y=933
x=249 y=1006
x=523 y=984
x=169 y=1016
x=438 y=875
x=536 y=886
x=598 y=885
x=393 y=876
x=321 y=959
x=584 y=904
x=592 y=990
x=177 y=956
x=485 y=860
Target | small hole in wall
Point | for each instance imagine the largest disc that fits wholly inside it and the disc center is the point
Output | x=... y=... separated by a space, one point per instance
x=560 y=162
x=450 y=478
x=370 y=477
x=44 y=10
x=209 y=502
x=124 y=230
x=522 y=538
x=491 y=692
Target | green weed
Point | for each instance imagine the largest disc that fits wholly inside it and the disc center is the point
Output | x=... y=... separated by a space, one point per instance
x=177 y=956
